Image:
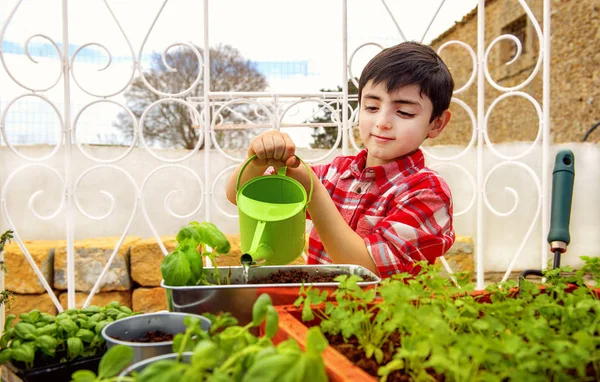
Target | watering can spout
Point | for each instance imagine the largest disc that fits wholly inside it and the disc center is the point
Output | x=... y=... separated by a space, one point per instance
x=246 y=259
x=262 y=253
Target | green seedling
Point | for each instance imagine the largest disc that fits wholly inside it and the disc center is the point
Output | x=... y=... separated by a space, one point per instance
x=72 y=334
x=112 y=363
x=228 y=352
x=422 y=327
x=184 y=266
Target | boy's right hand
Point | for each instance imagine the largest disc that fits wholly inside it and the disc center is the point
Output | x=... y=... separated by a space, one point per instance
x=273 y=148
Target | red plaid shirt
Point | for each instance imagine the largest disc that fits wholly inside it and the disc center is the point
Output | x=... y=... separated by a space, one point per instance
x=402 y=210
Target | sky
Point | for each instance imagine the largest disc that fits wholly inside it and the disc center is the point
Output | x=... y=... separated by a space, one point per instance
x=308 y=31
x=262 y=30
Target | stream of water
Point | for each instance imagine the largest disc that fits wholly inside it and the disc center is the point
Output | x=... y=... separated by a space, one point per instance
x=246 y=261
x=245 y=268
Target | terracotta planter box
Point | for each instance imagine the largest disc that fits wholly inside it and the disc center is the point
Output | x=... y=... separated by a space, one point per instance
x=338 y=367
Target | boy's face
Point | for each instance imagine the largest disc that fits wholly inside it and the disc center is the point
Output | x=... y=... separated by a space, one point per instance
x=395 y=124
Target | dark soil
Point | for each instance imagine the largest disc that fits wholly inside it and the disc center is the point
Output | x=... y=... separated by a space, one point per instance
x=357 y=356
x=297 y=276
x=151 y=336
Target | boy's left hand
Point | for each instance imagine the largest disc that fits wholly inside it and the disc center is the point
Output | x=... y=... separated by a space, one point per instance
x=274 y=148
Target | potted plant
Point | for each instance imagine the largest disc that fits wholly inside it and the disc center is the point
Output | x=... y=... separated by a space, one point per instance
x=227 y=352
x=423 y=328
x=191 y=288
x=150 y=334
x=43 y=347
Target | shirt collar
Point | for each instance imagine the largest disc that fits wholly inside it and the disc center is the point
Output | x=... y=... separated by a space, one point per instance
x=399 y=169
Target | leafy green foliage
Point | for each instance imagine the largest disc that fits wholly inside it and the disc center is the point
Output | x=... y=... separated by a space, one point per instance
x=184 y=266
x=592 y=267
x=353 y=316
x=545 y=332
x=227 y=352
x=6 y=296
x=112 y=363
x=287 y=362
x=5 y=238
x=71 y=334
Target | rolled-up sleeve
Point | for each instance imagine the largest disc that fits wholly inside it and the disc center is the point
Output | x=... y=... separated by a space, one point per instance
x=417 y=228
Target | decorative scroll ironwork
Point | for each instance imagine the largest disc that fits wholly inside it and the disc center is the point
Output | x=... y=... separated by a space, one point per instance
x=268 y=111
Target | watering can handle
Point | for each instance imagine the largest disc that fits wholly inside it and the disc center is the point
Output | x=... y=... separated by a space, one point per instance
x=237 y=184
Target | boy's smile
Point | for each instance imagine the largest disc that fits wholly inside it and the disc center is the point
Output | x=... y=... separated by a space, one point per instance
x=395 y=124
x=382 y=139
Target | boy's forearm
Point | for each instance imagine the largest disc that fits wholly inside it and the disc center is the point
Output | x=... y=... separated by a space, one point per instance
x=251 y=171
x=343 y=245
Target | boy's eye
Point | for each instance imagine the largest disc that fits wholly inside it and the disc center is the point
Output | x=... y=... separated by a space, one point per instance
x=371 y=108
x=405 y=113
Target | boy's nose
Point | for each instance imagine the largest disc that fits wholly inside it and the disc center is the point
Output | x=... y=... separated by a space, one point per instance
x=383 y=121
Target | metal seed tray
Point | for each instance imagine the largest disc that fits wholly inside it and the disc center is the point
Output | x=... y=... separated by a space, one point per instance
x=238 y=298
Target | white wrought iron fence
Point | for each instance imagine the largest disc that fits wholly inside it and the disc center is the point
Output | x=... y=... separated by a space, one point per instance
x=269 y=111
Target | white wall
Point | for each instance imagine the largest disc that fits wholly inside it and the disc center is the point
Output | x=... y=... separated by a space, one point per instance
x=502 y=235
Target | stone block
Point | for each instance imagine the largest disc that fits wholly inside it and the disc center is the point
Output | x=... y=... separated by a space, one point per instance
x=148 y=300
x=99 y=299
x=146 y=257
x=19 y=276
x=460 y=257
x=24 y=303
x=91 y=255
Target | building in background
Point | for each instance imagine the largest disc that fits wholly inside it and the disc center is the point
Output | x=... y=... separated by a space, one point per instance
x=575 y=78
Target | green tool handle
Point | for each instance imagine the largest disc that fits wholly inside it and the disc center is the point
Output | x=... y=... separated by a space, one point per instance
x=280 y=172
x=562 y=195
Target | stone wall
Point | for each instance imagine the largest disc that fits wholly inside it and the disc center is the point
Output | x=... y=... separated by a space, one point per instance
x=574 y=77
x=134 y=276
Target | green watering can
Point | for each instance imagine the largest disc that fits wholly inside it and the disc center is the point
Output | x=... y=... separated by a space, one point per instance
x=272 y=213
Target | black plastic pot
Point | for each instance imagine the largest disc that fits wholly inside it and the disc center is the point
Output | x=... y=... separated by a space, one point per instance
x=59 y=372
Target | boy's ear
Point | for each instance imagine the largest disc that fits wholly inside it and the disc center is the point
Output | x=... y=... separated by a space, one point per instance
x=438 y=124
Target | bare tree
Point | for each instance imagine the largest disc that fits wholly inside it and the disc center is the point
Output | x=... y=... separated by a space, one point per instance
x=170 y=124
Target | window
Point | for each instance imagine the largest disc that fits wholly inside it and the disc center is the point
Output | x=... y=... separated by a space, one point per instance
x=516 y=28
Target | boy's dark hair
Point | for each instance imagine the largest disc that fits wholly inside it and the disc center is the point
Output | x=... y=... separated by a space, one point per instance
x=411 y=63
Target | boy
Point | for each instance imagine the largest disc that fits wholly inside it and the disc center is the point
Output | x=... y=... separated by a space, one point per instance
x=382 y=208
